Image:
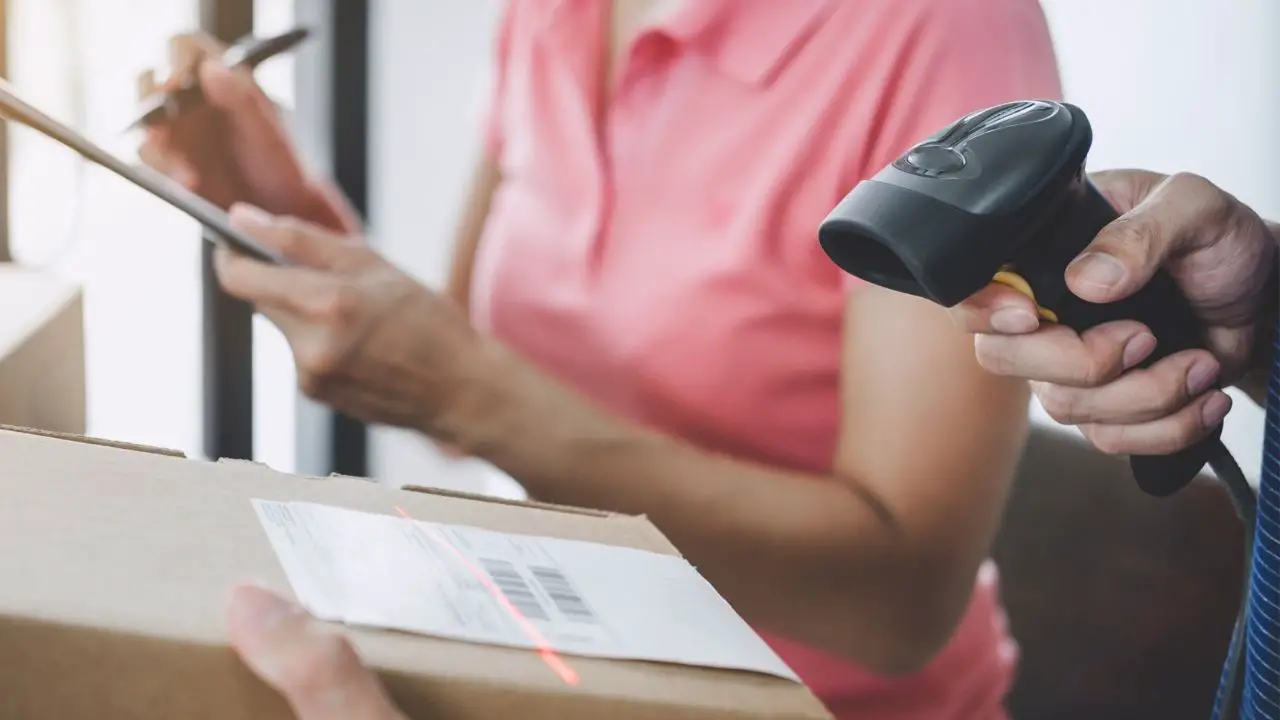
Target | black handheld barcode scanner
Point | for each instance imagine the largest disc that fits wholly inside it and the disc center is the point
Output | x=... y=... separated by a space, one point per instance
x=1001 y=195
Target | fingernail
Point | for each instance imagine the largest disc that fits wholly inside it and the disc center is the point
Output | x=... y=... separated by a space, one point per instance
x=1014 y=321
x=1215 y=409
x=259 y=610
x=1201 y=376
x=249 y=215
x=1138 y=348
x=213 y=75
x=184 y=176
x=213 y=66
x=1097 y=269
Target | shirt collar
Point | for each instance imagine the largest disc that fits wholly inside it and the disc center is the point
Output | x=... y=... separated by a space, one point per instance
x=751 y=40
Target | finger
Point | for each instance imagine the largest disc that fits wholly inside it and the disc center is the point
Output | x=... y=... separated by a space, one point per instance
x=997 y=309
x=157 y=154
x=1125 y=188
x=1166 y=435
x=290 y=324
x=302 y=243
x=1055 y=354
x=316 y=670
x=305 y=304
x=272 y=288
x=1129 y=251
x=449 y=450
x=233 y=89
x=253 y=120
x=1138 y=396
x=253 y=282
x=146 y=84
x=186 y=52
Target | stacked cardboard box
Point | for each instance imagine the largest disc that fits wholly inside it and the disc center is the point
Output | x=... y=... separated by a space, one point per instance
x=42 y=358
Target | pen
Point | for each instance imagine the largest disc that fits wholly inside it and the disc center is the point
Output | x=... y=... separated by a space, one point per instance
x=247 y=53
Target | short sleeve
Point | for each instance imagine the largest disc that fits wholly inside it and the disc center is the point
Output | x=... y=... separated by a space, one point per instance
x=494 y=91
x=968 y=55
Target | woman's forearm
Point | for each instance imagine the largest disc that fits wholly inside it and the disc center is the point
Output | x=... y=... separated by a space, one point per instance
x=485 y=178
x=816 y=559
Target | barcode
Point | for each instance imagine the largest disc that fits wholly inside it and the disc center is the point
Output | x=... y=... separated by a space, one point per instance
x=567 y=600
x=512 y=584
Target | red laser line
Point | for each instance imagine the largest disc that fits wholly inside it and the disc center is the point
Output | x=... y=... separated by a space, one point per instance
x=548 y=654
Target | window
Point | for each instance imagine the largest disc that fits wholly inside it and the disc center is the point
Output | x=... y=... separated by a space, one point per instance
x=46 y=198
x=271 y=17
x=136 y=258
x=274 y=378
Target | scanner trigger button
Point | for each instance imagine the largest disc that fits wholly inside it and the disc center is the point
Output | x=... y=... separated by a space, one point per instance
x=1009 y=278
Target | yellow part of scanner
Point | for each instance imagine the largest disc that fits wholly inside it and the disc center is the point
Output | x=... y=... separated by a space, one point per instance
x=1017 y=282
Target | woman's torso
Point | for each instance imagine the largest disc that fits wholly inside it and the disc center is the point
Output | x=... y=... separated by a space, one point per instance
x=658 y=252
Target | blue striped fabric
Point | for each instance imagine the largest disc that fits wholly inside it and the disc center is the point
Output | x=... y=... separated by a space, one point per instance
x=1262 y=676
x=1262 y=670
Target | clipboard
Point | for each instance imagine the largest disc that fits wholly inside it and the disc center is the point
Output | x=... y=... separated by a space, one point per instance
x=14 y=109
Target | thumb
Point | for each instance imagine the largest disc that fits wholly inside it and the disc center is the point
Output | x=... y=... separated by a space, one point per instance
x=1173 y=217
x=232 y=90
x=261 y=141
x=314 y=668
x=301 y=242
x=1115 y=265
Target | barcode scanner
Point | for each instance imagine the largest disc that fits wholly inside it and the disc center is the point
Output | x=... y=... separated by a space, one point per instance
x=1001 y=196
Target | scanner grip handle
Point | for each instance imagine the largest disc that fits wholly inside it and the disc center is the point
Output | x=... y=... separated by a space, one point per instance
x=1160 y=305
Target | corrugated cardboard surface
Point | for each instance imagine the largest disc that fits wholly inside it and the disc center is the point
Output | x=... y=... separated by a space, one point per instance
x=42 y=362
x=116 y=564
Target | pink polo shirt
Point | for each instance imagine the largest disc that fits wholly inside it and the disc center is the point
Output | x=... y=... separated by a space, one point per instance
x=660 y=255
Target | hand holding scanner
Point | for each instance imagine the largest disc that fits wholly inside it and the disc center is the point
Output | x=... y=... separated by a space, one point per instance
x=1001 y=196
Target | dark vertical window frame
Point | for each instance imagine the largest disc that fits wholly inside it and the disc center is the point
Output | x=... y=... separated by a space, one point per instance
x=331 y=122
x=228 y=323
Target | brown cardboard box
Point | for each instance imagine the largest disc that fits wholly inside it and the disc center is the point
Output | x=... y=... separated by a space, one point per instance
x=42 y=371
x=115 y=562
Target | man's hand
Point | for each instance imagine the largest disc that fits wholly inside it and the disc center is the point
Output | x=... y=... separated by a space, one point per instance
x=367 y=339
x=310 y=664
x=1222 y=256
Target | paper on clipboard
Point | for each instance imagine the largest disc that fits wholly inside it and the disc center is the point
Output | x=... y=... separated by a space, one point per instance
x=13 y=108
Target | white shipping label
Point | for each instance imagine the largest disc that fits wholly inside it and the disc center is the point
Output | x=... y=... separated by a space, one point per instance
x=482 y=586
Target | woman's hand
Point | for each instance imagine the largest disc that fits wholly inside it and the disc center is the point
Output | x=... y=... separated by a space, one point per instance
x=310 y=664
x=233 y=147
x=367 y=339
x=1220 y=253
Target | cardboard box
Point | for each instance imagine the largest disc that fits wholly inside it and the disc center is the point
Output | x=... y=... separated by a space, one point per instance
x=42 y=365
x=117 y=561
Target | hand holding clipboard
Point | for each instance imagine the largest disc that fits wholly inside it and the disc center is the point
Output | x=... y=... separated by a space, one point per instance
x=247 y=53
x=14 y=109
